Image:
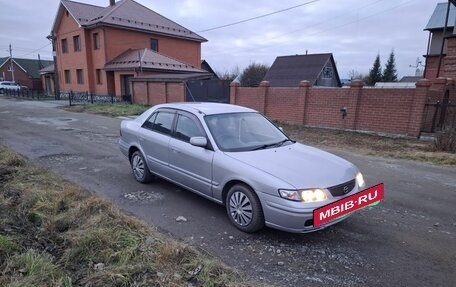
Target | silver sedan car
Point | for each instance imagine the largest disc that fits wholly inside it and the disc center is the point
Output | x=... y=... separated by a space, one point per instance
x=236 y=157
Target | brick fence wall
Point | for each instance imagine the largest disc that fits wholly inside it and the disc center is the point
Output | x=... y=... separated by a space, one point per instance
x=392 y=110
x=149 y=92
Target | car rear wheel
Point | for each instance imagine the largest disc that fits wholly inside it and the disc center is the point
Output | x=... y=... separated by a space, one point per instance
x=140 y=169
x=244 y=208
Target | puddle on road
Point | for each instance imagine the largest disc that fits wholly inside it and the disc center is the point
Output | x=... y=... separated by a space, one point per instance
x=61 y=158
x=142 y=196
x=49 y=121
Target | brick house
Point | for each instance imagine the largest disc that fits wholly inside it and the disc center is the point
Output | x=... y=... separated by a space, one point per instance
x=289 y=71
x=26 y=71
x=99 y=49
x=441 y=64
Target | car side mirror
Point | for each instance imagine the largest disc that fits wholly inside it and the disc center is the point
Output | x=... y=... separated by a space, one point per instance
x=198 y=141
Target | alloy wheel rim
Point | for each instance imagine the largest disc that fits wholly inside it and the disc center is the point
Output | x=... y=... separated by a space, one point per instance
x=138 y=166
x=240 y=208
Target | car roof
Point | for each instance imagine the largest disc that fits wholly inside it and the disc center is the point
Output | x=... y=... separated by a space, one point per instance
x=207 y=108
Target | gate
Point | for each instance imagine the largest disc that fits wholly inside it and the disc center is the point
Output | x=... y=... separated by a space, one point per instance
x=217 y=91
x=439 y=115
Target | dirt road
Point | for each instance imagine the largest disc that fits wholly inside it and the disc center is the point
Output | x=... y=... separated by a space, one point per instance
x=409 y=239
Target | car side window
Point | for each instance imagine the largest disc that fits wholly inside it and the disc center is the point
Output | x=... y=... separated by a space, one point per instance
x=187 y=128
x=160 y=122
x=149 y=124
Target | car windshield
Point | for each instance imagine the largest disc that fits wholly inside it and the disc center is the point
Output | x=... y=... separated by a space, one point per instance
x=244 y=132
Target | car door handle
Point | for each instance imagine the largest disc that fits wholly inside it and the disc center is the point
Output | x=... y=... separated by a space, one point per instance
x=141 y=139
x=175 y=150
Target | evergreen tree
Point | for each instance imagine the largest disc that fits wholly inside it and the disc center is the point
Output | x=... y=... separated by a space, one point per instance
x=390 y=73
x=375 y=74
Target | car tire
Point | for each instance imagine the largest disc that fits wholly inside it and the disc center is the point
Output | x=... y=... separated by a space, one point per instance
x=244 y=208
x=139 y=168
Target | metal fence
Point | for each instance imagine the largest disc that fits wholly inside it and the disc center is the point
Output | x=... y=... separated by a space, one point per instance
x=28 y=94
x=439 y=116
x=217 y=91
x=83 y=98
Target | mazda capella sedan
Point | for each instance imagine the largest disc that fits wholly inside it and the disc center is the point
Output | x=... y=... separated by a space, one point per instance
x=236 y=157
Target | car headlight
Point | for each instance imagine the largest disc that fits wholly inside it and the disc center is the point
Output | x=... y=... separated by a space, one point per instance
x=290 y=194
x=306 y=195
x=360 y=179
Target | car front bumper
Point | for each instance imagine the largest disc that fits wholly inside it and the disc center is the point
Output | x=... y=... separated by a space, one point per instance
x=293 y=217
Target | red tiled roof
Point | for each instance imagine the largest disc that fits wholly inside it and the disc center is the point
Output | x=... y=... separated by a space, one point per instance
x=130 y=15
x=150 y=60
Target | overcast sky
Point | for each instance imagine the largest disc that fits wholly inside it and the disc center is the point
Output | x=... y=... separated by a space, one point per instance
x=355 y=31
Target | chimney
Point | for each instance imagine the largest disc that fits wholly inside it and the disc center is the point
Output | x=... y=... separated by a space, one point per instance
x=112 y=2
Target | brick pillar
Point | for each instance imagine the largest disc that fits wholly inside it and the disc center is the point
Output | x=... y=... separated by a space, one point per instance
x=355 y=91
x=449 y=62
x=302 y=99
x=439 y=84
x=262 y=94
x=417 y=111
x=451 y=88
x=233 y=91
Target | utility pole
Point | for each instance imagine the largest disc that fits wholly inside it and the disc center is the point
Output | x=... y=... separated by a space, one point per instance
x=11 y=62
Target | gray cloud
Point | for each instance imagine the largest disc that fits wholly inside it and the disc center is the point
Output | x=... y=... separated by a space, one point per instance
x=354 y=30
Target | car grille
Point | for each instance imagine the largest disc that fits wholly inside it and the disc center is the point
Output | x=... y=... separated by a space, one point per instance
x=342 y=189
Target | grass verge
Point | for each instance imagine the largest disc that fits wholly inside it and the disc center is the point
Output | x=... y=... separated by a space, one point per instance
x=53 y=233
x=113 y=110
x=368 y=144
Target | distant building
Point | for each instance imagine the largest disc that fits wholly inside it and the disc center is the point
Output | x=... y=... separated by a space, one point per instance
x=26 y=71
x=436 y=26
x=289 y=71
x=205 y=66
x=100 y=49
x=410 y=79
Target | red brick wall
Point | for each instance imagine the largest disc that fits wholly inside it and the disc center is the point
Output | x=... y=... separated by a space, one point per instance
x=385 y=110
x=153 y=93
x=323 y=107
x=279 y=101
x=397 y=111
x=175 y=92
x=118 y=41
x=432 y=63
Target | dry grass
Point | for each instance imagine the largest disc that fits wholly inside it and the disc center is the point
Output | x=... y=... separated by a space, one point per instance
x=52 y=233
x=400 y=148
x=113 y=110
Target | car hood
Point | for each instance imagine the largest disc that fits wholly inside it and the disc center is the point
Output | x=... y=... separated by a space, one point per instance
x=300 y=165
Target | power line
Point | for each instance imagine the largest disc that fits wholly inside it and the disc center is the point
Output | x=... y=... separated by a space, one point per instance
x=36 y=50
x=258 y=17
x=330 y=28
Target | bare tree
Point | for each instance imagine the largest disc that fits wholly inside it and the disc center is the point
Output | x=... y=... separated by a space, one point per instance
x=253 y=75
x=229 y=75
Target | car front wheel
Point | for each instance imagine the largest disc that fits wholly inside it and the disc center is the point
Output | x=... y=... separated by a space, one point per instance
x=140 y=169
x=244 y=208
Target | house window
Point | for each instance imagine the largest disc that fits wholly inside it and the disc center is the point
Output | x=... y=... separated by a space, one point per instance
x=154 y=45
x=77 y=43
x=80 y=76
x=67 y=77
x=64 y=46
x=98 y=75
x=96 y=41
x=327 y=73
